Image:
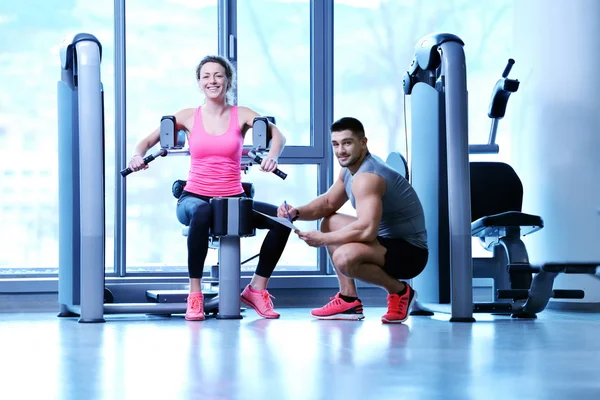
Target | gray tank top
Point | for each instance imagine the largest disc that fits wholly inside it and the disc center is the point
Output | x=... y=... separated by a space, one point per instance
x=402 y=215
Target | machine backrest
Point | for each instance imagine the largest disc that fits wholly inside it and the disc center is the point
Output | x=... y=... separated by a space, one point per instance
x=398 y=163
x=248 y=189
x=495 y=188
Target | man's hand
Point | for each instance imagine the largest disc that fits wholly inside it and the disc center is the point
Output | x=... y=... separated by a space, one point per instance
x=312 y=238
x=283 y=212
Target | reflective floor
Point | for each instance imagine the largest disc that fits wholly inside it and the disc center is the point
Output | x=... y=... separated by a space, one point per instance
x=142 y=357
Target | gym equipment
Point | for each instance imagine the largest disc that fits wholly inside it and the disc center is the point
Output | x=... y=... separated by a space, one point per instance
x=497 y=220
x=463 y=199
x=436 y=81
x=220 y=288
x=172 y=142
x=81 y=194
x=210 y=284
x=81 y=179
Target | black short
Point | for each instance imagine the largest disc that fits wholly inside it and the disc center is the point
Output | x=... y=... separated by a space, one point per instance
x=402 y=259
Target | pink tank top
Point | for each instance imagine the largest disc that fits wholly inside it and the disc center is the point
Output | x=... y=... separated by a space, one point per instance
x=215 y=159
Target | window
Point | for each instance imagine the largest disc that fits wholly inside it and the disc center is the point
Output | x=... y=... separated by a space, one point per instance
x=29 y=70
x=165 y=42
x=274 y=64
x=297 y=189
x=376 y=48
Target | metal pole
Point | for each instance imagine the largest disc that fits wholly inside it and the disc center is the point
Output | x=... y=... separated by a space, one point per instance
x=120 y=140
x=459 y=194
x=91 y=181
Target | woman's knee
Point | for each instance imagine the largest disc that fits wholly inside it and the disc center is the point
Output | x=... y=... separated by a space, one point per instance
x=201 y=215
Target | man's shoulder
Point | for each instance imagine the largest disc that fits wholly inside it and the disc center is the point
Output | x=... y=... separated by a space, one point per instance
x=368 y=182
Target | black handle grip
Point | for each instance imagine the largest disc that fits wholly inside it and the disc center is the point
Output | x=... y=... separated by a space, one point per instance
x=126 y=172
x=508 y=67
x=257 y=159
x=147 y=160
x=280 y=173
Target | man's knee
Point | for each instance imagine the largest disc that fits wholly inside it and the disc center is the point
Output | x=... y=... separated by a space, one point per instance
x=343 y=261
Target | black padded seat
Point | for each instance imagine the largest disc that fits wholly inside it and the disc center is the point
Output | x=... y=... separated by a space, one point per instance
x=213 y=241
x=490 y=224
x=496 y=201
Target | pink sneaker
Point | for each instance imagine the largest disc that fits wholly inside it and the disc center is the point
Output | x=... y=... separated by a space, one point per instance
x=399 y=306
x=339 y=309
x=260 y=300
x=195 y=307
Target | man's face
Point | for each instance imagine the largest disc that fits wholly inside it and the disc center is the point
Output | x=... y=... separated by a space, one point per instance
x=347 y=147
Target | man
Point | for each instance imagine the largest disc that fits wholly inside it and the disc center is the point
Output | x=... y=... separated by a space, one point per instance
x=385 y=242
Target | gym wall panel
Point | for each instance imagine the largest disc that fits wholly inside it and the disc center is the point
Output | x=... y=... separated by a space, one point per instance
x=556 y=139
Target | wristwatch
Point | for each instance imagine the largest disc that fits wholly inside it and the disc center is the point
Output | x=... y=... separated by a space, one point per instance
x=297 y=215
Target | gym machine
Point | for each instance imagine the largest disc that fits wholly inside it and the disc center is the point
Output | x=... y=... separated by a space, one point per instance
x=463 y=199
x=231 y=221
x=81 y=195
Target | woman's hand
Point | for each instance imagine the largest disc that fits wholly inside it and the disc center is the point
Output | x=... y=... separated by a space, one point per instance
x=137 y=163
x=268 y=164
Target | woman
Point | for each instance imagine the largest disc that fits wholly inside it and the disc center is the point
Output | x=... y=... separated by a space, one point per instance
x=215 y=133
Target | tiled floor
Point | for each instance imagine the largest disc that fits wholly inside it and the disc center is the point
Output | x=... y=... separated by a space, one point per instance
x=143 y=357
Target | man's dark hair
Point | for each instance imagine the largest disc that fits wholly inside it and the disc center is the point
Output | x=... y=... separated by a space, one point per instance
x=349 y=123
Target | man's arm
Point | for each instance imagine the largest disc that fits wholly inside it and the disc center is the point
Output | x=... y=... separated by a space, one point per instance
x=367 y=189
x=326 y=204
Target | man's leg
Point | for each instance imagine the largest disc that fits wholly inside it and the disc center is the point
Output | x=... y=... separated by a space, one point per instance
x=365 y=261
x=334 y=223
x=362 y=261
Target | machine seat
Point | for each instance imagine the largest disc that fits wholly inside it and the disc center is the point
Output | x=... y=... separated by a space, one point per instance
x=213 y=242
x=494 y=225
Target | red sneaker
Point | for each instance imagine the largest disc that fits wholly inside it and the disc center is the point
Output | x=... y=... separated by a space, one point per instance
x=260 y=300
x=399 y=306
x=339 y=309
x=195 y=307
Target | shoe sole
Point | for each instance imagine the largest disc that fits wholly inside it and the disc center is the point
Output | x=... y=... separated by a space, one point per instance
x=248 y=303
x=399 y=321
x=195 y=318
x=344 y=317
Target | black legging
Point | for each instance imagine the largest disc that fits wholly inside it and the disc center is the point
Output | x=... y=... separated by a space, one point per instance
x=194 y=210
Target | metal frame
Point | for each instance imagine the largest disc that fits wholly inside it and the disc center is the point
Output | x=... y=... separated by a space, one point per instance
x=321 y=99
x=227 y=36
x=120 y=139
x=440 y=67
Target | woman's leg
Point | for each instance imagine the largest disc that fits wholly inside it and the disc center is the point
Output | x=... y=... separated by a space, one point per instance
x=272 y=247
x=196 y=213
x=255 y=294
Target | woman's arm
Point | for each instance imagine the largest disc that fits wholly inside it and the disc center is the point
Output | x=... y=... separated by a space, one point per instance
x=183 y=118
x=277 y=138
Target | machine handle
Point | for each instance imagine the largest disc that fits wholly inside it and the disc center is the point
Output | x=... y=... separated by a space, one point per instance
x=147 y=160
x=508 y=68
x=280 y=173
x=502 y=91
x=257 y=159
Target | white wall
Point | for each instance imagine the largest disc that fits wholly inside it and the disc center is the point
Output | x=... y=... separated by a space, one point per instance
x=555 y=147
